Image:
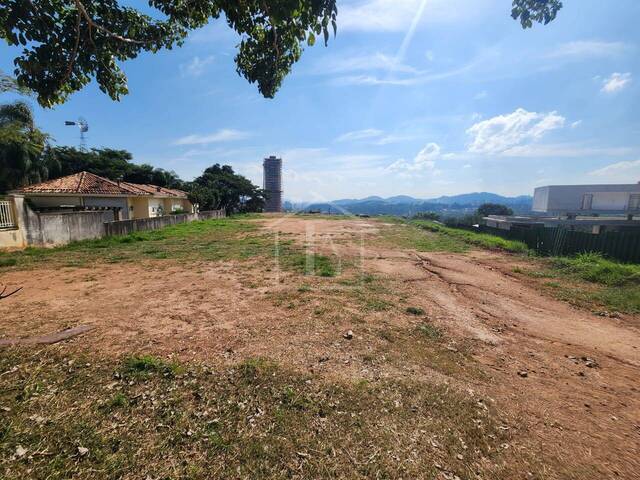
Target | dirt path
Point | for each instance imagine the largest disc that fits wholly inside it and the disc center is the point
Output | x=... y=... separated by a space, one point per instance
x=568 y=381
x=581 y=392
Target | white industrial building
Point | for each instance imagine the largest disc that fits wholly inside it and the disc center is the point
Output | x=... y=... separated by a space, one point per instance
x=592 y=208
x=587 y=199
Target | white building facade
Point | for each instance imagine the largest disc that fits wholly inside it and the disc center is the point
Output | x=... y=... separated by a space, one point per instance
x=587 y=199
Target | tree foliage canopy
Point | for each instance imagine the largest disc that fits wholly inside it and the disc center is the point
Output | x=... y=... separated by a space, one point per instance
x=108 y=163
x=21 y=147
x=487 y=209
x=66 y=43
x=529 y=11
x=220 y=187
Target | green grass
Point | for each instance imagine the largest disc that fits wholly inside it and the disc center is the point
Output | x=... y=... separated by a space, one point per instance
x=427 y=236
x=589 y=279
x=594 y=268
x=8 y=261
x=483 y=240
x=310 y=263
x=415 y=311
x=233 y=238
x=147 y=364
x=253 y=420
x=402 y=234
x=430 y=331
x=617 y=285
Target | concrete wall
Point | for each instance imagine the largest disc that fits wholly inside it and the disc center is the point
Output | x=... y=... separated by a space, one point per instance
x=12 y=239
x=143 y=224
x=39 y=229
x=53 y=229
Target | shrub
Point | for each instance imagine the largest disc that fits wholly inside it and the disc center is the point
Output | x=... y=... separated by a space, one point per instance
x=415 y=311
x=593 y=267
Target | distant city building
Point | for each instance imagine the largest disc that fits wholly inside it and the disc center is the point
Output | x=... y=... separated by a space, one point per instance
x=273 y=184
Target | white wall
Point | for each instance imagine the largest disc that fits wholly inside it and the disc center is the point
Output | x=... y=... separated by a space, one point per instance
x=568 y=198
x=540 y=199
x=610 y=200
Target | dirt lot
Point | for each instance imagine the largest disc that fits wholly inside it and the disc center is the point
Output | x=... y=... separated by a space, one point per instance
x=565 y=381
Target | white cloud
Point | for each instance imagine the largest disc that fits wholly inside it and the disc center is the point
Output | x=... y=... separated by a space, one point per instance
x=398 y=15
x=424 y=160
x=359 y=63
x=373 y=136
x=576 y=124
x=372 y=80
x=415 y=77
x=623 y=171
x=498 y=134
x=196 y=66
x=566 y=150
x=616 y=82
x=388 y=139
x=224 y=135
x=366 y=134
x=588 y=49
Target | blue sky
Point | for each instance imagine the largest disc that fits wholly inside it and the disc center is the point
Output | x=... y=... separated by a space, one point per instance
x=416 y=97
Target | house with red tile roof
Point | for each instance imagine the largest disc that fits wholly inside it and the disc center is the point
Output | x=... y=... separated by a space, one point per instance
x=86 y=191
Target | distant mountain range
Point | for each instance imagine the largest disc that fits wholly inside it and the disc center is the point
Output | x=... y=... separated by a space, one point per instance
x=406 y=205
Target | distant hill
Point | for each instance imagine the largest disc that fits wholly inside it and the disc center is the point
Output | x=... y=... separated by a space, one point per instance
x=454 y=205
x=478 y=198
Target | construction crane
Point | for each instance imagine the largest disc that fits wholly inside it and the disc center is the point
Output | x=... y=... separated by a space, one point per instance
x=83 y=126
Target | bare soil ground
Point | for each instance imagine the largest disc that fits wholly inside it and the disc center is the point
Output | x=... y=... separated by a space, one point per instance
x=566 y=381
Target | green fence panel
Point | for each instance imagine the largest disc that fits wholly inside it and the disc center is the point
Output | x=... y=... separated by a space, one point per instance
x=623 y=246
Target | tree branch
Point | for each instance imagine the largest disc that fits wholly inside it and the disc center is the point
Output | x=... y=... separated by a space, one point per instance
x=106 y=31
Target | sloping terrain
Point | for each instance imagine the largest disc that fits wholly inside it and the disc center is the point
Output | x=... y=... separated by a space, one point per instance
x=305 y=347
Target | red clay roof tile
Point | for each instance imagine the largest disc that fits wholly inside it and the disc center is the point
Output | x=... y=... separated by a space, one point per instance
x=85 y=183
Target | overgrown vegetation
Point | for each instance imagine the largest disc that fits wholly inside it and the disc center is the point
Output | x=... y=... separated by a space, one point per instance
x=474 y=238
x=593 y=267
x=256 y=420
x=612 y=284
x=406 y=235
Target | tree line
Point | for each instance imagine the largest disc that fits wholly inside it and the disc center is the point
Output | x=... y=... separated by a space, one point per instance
x=26 y=157
x=482 y=211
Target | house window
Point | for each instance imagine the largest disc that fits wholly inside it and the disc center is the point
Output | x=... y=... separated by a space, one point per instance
x=634 y=202
x=587 y=200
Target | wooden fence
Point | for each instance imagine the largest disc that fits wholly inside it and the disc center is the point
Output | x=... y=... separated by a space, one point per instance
x=559 y=241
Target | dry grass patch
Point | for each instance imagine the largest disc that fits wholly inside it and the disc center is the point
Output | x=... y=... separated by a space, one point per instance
x=142 y=417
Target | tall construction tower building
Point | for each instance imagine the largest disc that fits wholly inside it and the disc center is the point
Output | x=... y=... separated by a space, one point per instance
x=273 y=183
